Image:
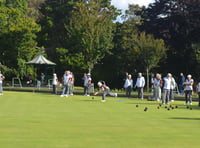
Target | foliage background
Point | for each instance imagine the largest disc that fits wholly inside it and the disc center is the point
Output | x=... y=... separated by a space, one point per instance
x=83 y=36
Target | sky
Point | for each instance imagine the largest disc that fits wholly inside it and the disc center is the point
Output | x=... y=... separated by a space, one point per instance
x=123 y=4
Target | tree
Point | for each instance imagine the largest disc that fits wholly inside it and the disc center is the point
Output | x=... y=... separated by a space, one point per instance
x=34 y=7
x=135 y=50
x=91 y=31
x=177 y=23
x=53 y=35
x=196 y=48
x=17 y=35
x=151 y=52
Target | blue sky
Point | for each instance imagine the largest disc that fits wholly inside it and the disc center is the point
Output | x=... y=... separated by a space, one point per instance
x=123 y=4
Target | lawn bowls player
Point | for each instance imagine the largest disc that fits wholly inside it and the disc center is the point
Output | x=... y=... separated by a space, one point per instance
x=188 y=89
x=106 y=91
x=140 y=83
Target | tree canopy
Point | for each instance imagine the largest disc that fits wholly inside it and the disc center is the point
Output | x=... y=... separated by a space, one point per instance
x=177 y=22
x=83 y=35
x=17 y=35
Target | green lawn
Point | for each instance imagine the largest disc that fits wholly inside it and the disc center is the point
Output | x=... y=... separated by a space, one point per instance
x=36 y=120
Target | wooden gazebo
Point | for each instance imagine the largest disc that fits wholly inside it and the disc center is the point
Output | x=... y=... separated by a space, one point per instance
x=43 y=63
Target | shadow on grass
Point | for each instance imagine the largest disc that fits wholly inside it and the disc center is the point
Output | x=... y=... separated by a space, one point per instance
x=184 y=118
x=92 y=100
x=145 y=103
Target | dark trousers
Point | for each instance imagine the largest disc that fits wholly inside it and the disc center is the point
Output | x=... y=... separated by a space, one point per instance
x=171 y=95
x=54 y=89
x=86 y=90
x=128 y=91
x=181 y=88
x=188 y=96
x=199 y=98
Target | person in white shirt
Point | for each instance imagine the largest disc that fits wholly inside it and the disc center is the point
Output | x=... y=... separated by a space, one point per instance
x=140 y=83
x=65 y=84
x=166 y=89
x=128 y=85
x=55 y=83
x=172 y=87
x=188 y=89
x=157 y=87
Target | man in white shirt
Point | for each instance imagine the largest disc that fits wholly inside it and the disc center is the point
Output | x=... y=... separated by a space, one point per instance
x=166 y=89
x=140 y=83
x=65 y=83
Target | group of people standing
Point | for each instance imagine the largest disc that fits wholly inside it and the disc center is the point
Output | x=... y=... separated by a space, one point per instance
x=140 y=83
x=68 y=84
x=168 y=84
x=162 y=88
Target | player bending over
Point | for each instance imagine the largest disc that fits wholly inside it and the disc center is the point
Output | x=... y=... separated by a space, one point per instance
x=106 y=90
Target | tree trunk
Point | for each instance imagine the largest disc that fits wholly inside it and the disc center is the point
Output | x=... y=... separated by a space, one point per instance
x=147 y=70
x=89 y=70
x=90 y=67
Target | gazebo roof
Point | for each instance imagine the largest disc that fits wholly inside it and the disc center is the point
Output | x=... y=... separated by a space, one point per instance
x=40 y=60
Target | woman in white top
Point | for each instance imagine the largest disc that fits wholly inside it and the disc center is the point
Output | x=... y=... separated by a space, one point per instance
x=128 y=85
x=189 y=88
x=55 y=83
x=157 y=87
x=172 y=87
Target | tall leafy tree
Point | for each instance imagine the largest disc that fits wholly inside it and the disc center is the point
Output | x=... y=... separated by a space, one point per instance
x=17 y=35
x=53 y=35
x=62 y=38
x=34 y=8
x=151 y=52
x=91 y=31
x=133 y=50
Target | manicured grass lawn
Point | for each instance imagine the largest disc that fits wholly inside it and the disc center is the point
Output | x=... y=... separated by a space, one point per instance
x=36 y=120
